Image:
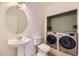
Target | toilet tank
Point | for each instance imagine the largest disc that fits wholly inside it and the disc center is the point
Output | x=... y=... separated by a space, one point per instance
x=36 y=40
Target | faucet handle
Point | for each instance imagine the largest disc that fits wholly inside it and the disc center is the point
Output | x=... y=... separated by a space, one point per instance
x=19 y=38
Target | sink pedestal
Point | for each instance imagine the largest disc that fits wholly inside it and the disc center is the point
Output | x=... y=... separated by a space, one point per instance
x=27 y=50
x=30 y=49
x=20 y=51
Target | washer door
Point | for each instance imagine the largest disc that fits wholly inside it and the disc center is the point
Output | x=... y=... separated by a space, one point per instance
x=51 y=39
x=67 y=42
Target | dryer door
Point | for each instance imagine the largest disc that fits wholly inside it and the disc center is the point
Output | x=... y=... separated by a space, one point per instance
x=67 y=42
x=51 y=39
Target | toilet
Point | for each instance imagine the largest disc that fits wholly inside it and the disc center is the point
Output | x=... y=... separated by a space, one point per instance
x=41 y=48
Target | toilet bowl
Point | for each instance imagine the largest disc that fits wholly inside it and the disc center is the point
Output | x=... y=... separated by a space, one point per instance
x=41 y=48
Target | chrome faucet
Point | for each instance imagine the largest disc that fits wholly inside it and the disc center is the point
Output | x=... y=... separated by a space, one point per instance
x=19 y=38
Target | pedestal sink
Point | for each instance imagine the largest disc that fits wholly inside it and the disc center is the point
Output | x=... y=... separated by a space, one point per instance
x=24 y=46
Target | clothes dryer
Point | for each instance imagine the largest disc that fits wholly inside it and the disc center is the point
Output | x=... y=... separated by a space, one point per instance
x=52 y=39
x=68 y=43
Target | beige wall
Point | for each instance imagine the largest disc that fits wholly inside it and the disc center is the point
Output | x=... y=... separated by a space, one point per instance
x=5 y=34
x=35 y=26
x=56 y=8
x=37 y=13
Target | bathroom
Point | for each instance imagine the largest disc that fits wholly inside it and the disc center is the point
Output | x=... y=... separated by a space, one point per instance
x=35 y=25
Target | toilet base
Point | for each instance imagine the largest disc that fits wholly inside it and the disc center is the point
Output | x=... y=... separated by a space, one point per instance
x=41 y=53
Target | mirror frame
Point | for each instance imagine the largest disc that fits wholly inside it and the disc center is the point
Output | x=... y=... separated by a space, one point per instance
x=25 y=10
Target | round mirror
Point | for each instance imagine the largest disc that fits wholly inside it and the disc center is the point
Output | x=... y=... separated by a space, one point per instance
x=16 y=19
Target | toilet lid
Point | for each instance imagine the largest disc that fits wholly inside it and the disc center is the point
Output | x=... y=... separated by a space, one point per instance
x=44 y=47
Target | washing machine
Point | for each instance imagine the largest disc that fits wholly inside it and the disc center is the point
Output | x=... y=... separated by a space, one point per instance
x=68 y=43
x=52 y=39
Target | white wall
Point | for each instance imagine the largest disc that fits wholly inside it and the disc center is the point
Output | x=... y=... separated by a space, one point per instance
x=55 y=8
x=35 y=26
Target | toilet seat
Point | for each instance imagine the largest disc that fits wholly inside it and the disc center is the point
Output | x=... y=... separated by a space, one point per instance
x=44 y=47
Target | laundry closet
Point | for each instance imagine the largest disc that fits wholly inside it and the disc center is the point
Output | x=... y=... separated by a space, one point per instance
x=62 y=34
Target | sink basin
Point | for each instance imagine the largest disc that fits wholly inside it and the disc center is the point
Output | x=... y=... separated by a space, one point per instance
x=17 y=42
